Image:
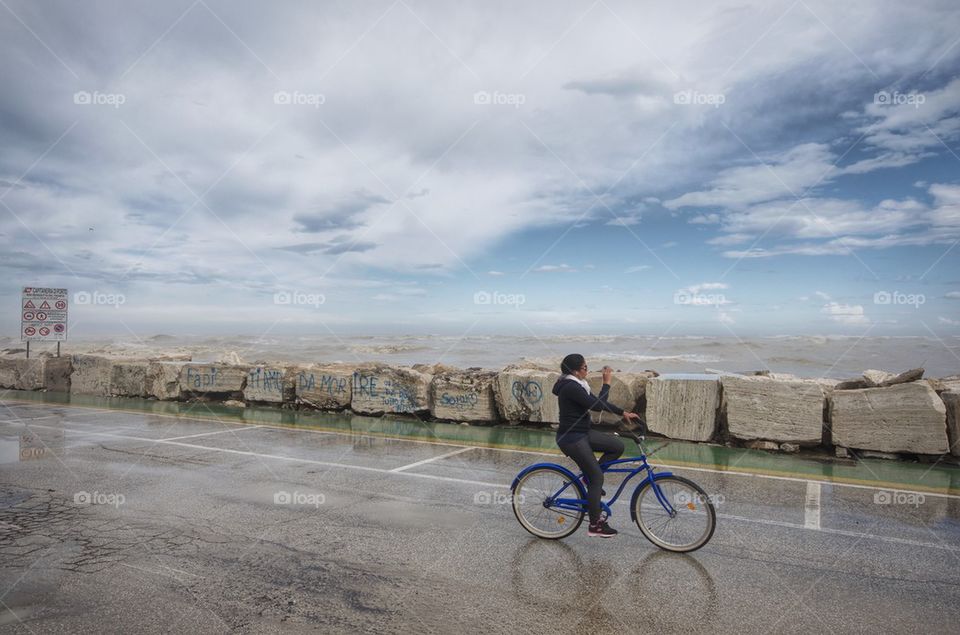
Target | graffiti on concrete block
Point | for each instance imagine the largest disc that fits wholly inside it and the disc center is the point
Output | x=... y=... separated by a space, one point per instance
x=463 y=401
x=265 y=380
x=392 y=396
x=203 y=378
x=529 y=392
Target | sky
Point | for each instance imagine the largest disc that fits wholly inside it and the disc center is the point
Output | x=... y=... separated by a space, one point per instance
x=731 y=168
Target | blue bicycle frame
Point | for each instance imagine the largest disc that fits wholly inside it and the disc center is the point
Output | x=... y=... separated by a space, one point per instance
x=557 y=501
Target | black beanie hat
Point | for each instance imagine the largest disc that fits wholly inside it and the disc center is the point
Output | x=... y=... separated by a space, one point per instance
x=572 y=363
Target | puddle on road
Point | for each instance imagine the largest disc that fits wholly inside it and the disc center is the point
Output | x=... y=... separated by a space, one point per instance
x=28 y=446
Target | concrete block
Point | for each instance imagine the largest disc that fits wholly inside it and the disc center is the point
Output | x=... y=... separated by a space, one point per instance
x=464 y=396
x=163 y=380
x=91 y=375
x=380 y=389
x=901 y=418
x=20 y=373
x=325 y=387
x=199 y=379
x=271 y=384
x=129 y=378
x=765 y=408
x=56 y=374
x=951 y=401
x=683 y=406
x=525 y=394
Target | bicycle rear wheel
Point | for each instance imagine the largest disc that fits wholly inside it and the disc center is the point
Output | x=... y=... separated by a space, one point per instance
x=687 y=526
x=532 y=503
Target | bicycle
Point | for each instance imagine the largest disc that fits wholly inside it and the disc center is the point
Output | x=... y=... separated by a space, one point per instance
x=661 y=503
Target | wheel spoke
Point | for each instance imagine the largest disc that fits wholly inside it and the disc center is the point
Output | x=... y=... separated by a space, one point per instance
x=546 y=521
x=693 y=520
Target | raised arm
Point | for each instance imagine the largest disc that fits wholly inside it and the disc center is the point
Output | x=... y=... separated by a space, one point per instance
x=597 y=403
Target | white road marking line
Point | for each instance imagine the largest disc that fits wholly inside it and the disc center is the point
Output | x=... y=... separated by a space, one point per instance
x=811 y=507
x=430 y=460
x=778 y=523
x=549 y=454
x=207 y=434
x=843 y=532
x=278 y=457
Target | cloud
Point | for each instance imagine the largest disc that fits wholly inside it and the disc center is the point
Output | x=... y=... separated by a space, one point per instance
x=495 y=273
x=844 y=225
x=343 y=214
x=637 y=268
x=952 y=295
x=622 y=86
x=624 y=221
x=334 y=246
x=555 y=268
x=705 y=219
x=786 y=174
x=945 y=320
x=849 y=314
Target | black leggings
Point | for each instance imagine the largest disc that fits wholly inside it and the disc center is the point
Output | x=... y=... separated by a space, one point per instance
x=582 y=452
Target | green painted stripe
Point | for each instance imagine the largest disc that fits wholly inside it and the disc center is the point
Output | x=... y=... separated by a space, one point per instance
x=943 y=479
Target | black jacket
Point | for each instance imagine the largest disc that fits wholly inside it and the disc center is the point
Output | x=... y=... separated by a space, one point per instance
x=575 y=404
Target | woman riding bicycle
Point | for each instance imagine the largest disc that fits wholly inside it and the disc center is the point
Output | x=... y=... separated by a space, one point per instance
x=578 y=441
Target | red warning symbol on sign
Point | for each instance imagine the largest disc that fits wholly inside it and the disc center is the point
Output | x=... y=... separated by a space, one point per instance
x=29 y=305
x=29 y=330
x=61 y=304
x=44 y=330
x=28 y=315
x=45 y=305
x=41 y=316
x=58 y=328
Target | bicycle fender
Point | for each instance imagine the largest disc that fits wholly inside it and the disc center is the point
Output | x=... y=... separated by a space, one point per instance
x=636 y=493
x=568 y=473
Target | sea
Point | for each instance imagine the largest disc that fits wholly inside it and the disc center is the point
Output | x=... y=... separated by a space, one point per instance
x=802 y=355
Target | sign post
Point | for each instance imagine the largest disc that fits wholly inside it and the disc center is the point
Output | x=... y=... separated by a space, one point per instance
x=43 y=316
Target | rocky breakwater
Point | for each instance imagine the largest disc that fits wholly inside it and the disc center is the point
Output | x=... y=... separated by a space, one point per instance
x=876 y=414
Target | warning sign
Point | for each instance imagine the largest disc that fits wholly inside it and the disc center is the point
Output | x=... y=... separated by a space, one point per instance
x=43 y=314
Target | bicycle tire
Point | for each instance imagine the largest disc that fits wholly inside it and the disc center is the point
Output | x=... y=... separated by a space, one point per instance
x=692 y=502
x=520 y=499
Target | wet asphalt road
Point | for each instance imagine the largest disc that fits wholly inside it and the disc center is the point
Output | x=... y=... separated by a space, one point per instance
x=207 y=526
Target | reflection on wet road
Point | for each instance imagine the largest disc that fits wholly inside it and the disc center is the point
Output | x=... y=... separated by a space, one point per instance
x=147 y=521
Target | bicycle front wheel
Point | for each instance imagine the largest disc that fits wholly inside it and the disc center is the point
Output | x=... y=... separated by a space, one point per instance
x=534 y=508
x=685 y=523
